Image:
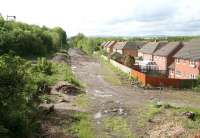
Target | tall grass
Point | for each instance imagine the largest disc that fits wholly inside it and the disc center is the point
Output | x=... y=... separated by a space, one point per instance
x=83 y=127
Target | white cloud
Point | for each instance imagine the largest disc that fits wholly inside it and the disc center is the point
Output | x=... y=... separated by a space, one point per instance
x=109 y=17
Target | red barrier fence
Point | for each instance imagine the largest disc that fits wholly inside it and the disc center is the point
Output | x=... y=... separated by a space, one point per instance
x=158 y=81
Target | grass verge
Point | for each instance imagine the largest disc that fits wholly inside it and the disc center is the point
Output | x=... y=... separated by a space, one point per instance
x=118 y=126
x=113 y=74
x=82 y=128
x=147 y=113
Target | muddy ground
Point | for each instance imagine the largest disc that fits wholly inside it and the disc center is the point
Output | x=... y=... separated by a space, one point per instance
x=108 y=100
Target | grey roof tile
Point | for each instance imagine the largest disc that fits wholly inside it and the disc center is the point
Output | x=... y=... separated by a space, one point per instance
x=190 y=50
x=134 y=45
x=149 y=48
x=167 y=49
x=119 y=45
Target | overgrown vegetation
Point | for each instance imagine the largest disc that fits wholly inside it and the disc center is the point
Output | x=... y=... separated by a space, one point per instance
x=17 y=90
x=118 y=126
x=196 y=87
x=147 y=113
x=82 y=128
x=20 y=83
x=129 y=61
x=30 y=40
x=87 y=44
x=111 y=71
x=44 y=66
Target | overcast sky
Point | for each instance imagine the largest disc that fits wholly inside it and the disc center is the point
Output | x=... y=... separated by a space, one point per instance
x=110 y=17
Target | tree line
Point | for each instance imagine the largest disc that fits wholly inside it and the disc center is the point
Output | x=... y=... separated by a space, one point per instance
x=30 y=40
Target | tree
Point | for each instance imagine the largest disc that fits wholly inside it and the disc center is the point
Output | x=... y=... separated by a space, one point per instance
x=30 y=40
x=16 y=92
x=129 y=61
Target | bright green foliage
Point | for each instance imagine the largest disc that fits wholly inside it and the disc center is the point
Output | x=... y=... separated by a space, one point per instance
x=30 y=40
x=16 y=94
x=88 y=45
x=44 y=66
x=83 y=127
x=70 y=77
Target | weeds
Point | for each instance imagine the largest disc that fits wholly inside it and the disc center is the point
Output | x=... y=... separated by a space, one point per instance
x=82 y=128
x=147 y=113
x=118 y=126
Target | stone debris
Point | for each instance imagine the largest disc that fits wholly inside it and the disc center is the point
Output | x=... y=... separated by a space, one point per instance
x=66 y=88
x=115 y=108
x=189 y=115
x=98 y=115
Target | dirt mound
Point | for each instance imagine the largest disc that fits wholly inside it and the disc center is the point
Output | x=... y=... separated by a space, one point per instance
x=61 y=58
x=66 y=88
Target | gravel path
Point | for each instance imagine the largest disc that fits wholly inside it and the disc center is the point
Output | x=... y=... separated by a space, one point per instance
x=101 y=92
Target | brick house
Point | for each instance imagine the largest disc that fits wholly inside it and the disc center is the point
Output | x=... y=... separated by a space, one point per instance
x=109 y=47
x=118 y=47
x=187 y=61
x=102 y=44
x=105 y=45
x=131 y=48
x=163 y=56
x=147 y=51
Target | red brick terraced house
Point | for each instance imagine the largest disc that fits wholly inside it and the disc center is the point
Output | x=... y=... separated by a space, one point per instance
x=109 y=46
x=163 y=57
x=147 y=51
x=187 y=61
x=118 y=47
x=131 y=48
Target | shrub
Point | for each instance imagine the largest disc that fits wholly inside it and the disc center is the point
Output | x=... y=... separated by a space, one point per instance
x=16 y=94
x=129 y=61
x=44 y=66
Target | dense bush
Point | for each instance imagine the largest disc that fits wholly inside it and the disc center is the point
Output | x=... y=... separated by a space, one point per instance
x=129 y=61
x=88 y=45
x=16 y=94
x=30 y=40
x=196 y=87
x=44 y=66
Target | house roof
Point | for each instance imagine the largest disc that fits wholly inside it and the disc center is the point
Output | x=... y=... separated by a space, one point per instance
x=111 y=44
x=134 y=45
x=151 y=47
x=190 y=50
x=102 y=44
x=119 y=45
x=167 y=49
x=105 y=45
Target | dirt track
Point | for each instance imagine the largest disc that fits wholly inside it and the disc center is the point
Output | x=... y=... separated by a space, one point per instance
x=101 y=92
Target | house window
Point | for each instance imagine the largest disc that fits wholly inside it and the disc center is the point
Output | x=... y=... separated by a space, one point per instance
x=192 y=76
x=172 y=72
x=177 y=60
x=192 y=62
x=178 y=73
